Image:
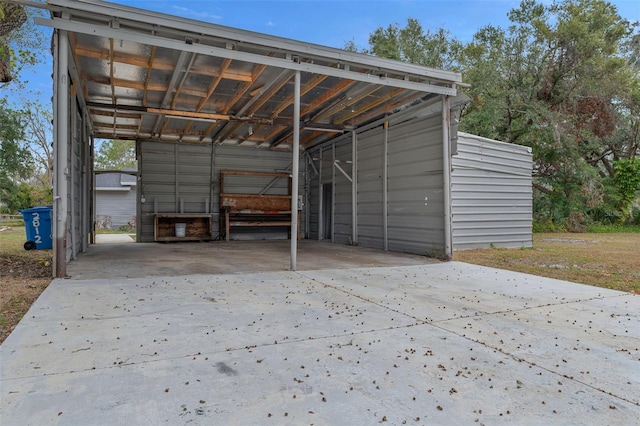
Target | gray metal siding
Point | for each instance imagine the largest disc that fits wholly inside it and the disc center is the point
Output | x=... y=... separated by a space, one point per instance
x=342 y=218
x=189 y=173
x=194 y=178
x=370 y=189
x=415 y=181
x=415 y=185
x=157 y=183
x=249 y=159
x=314 y=199
x=491 y=194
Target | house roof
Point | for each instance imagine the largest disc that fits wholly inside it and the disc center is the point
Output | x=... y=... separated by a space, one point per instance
x=151 y=76
x=111 y=181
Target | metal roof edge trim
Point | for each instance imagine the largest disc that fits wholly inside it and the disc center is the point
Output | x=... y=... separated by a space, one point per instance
x=113 y=10
x=508 y=145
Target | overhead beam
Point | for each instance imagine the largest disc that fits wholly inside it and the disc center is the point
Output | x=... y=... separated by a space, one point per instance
x=172 y=113
x=139 y=61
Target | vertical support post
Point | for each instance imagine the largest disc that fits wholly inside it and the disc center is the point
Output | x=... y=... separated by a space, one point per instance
x=73 y=177
x=354 y=188
x=333 y=193
x=385 y=186
x=92 y=215
x=446 y=171
x=61 y=149
x=320 y=199
x=84 y=190
x=176 y=174
x=295 y=172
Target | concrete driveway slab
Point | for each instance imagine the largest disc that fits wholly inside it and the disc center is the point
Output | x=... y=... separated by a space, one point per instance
x=429 y=344
x=454 y=289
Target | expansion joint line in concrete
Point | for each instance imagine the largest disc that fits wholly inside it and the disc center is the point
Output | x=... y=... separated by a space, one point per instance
x=532 y=364
x=419 y=320
x=526 y=308
x=512 y=356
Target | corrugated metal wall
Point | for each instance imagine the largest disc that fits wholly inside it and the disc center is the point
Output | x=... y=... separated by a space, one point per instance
x=416 y=195
x=415 y=188
x=491 y=194
x=78 y=160
x=342 y=208
x=175 y=176
x=370 y=189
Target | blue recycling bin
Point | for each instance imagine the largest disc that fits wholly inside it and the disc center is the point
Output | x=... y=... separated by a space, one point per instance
x=37 y=224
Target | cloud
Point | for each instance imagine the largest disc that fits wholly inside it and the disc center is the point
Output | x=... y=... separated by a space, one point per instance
x=270 y=24
x=190 y=13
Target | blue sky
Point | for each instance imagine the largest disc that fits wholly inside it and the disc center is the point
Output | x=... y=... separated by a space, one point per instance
x=331 y=22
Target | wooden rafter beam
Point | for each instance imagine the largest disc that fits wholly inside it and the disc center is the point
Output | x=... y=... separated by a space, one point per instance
x=172 y=113
x=385 y=109
x=266 y=96
x=317 y=79
x=129 y=115
x=340 y=119
x=134 y=60
x=346 y=103
x=213 y=86
x=329 y=94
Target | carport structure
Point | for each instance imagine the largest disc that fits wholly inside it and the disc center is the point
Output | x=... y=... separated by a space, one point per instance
x=202 y=89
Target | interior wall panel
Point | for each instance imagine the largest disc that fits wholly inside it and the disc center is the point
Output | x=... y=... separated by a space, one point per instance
x=370 y=188
x=188 y=175
x=342 y=218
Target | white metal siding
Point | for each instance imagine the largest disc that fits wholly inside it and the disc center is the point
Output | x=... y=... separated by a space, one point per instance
x=491 y=194
x=120 y=206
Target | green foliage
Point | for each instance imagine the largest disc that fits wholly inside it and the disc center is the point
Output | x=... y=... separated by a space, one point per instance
x=412 y=44
x=17 y=196
x=21 y=43
x=563 y=79
x=116 y=154
x=15 y=159
x=627 y=178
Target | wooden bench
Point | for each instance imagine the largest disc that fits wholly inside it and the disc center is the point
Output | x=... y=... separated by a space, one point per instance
x=198 y=226
x=253 y=210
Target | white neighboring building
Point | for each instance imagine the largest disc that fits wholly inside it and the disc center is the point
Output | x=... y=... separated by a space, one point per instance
x=115 y=200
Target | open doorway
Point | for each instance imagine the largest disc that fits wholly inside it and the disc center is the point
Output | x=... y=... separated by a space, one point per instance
x=116 y=191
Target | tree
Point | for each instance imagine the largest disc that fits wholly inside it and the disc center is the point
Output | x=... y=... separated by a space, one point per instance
x=412 y=44
x=12 y=17
x=563 y=79
x=21 y=43
x=116 y=154
x=15 y=158
x=39 y=134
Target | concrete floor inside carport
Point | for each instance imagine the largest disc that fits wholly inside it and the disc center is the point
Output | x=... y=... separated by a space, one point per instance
x=416 y=343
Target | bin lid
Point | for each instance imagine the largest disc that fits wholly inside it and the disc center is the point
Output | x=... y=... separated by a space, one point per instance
x=36 y=209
